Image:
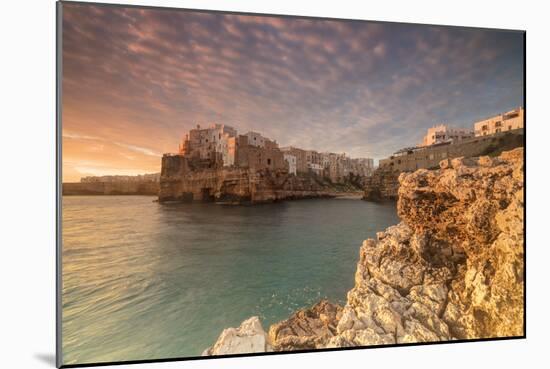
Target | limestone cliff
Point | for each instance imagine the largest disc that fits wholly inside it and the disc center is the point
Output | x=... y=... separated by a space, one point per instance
x=452 y=269
x=185 y=179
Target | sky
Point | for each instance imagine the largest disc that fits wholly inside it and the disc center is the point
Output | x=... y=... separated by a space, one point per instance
x=135 y=80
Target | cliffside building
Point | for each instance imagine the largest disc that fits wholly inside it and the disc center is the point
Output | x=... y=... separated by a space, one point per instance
x=291 y=161
x=208 y=143
x=301 y=162
x=362 y=166
x=511 y=120
x=444 y=133
x=313 y=160
x=258 y=158
x=256 y=139
x=221 y=146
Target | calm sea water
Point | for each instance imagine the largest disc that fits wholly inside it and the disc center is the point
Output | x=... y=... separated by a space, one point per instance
x=143 y=280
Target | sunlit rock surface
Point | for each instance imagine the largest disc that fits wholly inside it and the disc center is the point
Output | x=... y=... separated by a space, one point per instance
x=452 y=269
x=250 y=337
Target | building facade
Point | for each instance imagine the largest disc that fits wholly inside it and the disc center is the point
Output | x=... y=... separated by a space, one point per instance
x=208 y=143
x=221 y=146
x=511 y=120
x=443 y=133
x=301 y=163
x=291 y=162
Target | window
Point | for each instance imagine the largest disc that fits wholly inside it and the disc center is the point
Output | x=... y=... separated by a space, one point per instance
x=498 y=130
x=509 y=128
x=484 y=128
x=268 y=161
x=498 y=124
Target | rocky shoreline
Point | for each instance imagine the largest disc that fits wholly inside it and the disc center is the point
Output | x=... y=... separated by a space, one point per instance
x=453 y=268
x=185 y=179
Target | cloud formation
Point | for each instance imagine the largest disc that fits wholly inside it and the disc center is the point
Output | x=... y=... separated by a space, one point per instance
x=135 y=80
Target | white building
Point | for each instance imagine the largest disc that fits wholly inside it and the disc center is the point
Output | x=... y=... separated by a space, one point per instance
x=315 y=168
x=513 y=119
x=291 y=160
x=443 y=133
x=207 y=143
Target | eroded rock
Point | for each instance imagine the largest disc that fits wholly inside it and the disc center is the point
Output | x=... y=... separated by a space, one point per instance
x=250 y=337
x=307 y=328
x=452 y=269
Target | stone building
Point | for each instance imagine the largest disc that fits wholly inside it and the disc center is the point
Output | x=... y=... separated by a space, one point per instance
x=208 y=143
x=291 y=161
x=256 y=139
x=338 y=166
x=511 y=120
x=220 y=146
x=258 y=158
x=362 y=166
x=301 y=163
x=443 y=133
x=314 y=162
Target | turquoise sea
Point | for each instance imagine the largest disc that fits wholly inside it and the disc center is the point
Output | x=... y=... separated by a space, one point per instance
x=143 y=280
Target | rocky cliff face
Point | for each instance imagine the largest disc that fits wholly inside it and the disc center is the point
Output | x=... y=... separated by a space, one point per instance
x=452 y=269
x=382 y=185
x=183 y=179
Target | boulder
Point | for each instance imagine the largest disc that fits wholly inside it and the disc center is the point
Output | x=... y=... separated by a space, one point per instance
x=250 y=337
x=307 y=328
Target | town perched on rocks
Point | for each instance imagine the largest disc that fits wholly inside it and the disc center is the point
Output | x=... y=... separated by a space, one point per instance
x=216 y=163
x=235 y=184
x=489 y=136
x=453 y=268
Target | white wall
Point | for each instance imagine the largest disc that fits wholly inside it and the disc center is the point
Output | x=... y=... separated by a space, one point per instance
x=27 y=236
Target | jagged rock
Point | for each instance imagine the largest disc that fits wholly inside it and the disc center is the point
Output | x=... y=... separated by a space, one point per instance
x=452 y=269
x=248 y=338
x=307 y=328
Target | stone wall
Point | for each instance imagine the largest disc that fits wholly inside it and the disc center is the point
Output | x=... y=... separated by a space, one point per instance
x=384 y=184
x=260 y=158
x=148 y=188
x=429 y=157
x=452 y=269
